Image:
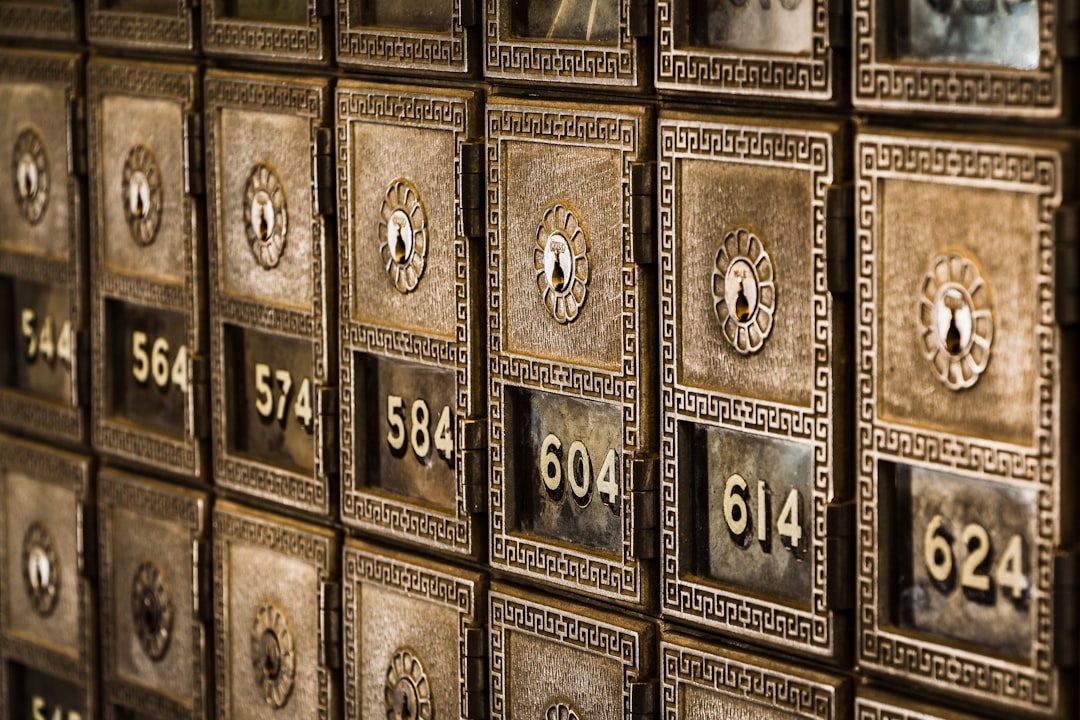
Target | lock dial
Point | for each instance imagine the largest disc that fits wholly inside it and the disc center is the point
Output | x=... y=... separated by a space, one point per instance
x=265 y=215
x=407 y=691
x=151 y=609
x=402 y=234
x=744 y=290
x=141 y=194
x=41 y=574
x=273 y=655
x=561 y=260
x=30 y=175
x=956 y=319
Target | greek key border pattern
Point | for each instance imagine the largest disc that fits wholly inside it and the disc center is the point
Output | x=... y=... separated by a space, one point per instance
x=391 y=48
x=507 y=57
x=141 y=30
x=1029 y=685
x=684 y=664
x=282 y=42
x=696 y=600
x=607 y=638
x=29 y=19
x=880 y=81
x=784 y=75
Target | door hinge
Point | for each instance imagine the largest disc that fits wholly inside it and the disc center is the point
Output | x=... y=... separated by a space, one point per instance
x=472 y=189
x=86 y=534
x=199 y=372
x=1066 y=579
x=202 y=573
x=325 y=172
x=1067 y=265
x=839 y=239
x=330 y=614
x=476 y=674
x=193 y=155
x=644 y=700
x=82 y=368
x=644 y=485
x=839 y=555
x=643 y=213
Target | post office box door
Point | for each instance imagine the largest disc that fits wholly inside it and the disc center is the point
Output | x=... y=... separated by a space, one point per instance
x=41 y=20
x=876 y=704
x=144 y=25
x=415 y=644
x=274 y=31
x=43 y=285
x=150 y=338
x=48 y=616
x=410 y=37
x=275 y=645
x=155 y=596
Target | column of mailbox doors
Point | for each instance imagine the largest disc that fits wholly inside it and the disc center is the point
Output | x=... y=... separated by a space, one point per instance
x=799 y=383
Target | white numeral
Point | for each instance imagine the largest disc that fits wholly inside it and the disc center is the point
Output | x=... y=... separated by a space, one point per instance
x=579 y=472
x=264 y=400
x=740 y=521
x=418 y=430
x=155 y=363
x=975 y=575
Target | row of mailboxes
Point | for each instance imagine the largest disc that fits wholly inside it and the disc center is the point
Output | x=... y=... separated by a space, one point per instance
x=771 y=380
x=973 y=56
x=244 y=614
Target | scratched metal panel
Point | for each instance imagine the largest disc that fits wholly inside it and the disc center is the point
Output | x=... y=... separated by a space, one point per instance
x=144 y=25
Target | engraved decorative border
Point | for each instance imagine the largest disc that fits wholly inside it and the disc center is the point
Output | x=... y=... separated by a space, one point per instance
x=814 y=630
x=310 y=492
x=1033 y=685
x=33 y=19
x=876 y=705
x=455 y=113
x=509 y=58
x=366 y=565
x=29 y=412
x=779 y=688
x=784 y=76
x=881 y=81
x=264 y=41
x=632 y=389
x=300 y=542
x=632 y=644
x=403 y=50
x=173 y=505
x=186 y=454
x=153 y=32
x=74 y=473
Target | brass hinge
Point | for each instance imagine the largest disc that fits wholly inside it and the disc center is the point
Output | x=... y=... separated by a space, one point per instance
x=473 y=434
x=325 y=170
x=643 y=212
x=326 y=407
x=81 y=370
x=644 y=497
x=199 y=372
x=201 y=578
x=839 y=238
x=86 y=538
x=330 y=617
x=840 y=556
x=76 y=136
x=1067 y=265
x=193 y=155
x=644 y=700
x=472 y=189
x=474 y=703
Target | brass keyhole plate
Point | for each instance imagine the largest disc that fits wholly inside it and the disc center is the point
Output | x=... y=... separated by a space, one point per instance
x=744 y=290
x=265 y=215
x=956 y=319
x=41 y=573
x=151 y=609
x=562 y=263
x=30 y=175
x=141 y=194
x=403 y=235
x=407 y=691
x=273 y=655
x=561 y=711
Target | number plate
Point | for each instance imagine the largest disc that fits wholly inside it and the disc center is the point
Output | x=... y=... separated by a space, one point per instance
x=557 y=42
x=276 y=31
x=144 y=25
x=43 y=303
x=154 y=651
x=568 y=661
x=272 y=353
x=413 y=454
x=571 y=318
x=150 y=339
x=33 y=19
x=273 y=580
x=408 y=36
x=750 y=48
x=48 y=616
x=702 y=680
x=986 y=57
x=415 y=645
x=753 y=347
x=960 y=466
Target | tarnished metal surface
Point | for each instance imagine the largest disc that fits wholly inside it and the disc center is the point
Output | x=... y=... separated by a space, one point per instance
x=155 y=596
x=42 y=21
x=409 y=36
x=274 y=31
x=962 y=452
x=874 y=704
x=48 y=612
x=150 y=339
x=143 y=25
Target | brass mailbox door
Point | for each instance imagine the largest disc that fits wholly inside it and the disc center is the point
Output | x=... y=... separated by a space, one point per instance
x=272 y=289
x=48 y=615
x=572 y=327
x=270 y=31
x=143 y=25
x=787 y=51
x=276 y=617
x=874 y=704
x=702 y=680
x=753 y=229
x=42 y=20
x=155 y=597
x=150 y=338
x=43 y=278
x=562 y=661
x=412 y=302
x=409 y=36
x=414 y=640
x=963 y=532
x=982 y=57
x=602 y=42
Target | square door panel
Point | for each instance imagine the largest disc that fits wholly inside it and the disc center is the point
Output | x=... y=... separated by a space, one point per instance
x=150 y=341
x=155 y=597
x=755 y=379
x=272 y=290
x=962 y=453
x=410 y=37
x=269 y=31
x=43 y=278
x=412 y=369
x=143 y=25
x=48 y=611
x=571 y=319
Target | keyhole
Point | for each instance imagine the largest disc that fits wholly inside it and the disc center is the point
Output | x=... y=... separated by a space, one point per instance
x=406 y=713
x=742 y=305
x=952 y=336
x=558 y=277
x=139 y=208
x=27 y=178
x=271 y=656
x=39 y=569
x=149 y=614
x=264 y=226
x=28 y=185
x=399 y=244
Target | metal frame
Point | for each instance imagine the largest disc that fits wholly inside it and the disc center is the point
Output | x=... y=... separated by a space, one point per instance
x=148 y=32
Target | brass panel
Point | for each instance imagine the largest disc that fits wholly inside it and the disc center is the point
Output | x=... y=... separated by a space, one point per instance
x=48 y=616
x=43 y=283
x=274 y=31
x=962 y=455
x=269 y=576
x=703 y=680
x=755 y=378
x=411 y=307
x=571 y=320
x=409 y=36
x=155 y=597
x=271 y=289
x=143 y=25
x=150 y=338
x=41 y=20
x=409 y=627
x=875 y=704
x=551 y=658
